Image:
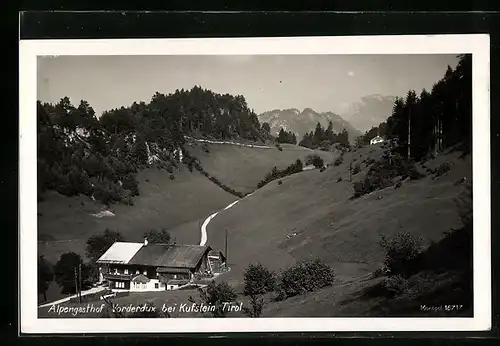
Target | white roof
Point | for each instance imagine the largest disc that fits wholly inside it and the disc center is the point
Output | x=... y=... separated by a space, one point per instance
x=120 y=252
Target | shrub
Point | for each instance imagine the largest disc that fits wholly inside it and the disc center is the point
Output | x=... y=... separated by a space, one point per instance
x=170 y=168
x=442 y=169
x=258 y=280
x=398 y=185
x=216 y=294
x=108 y=191
x=382 y=173
x=395 y=285
x=322 y=169
x=256 y=306
x=370 y=161
x=172 y=177
x=339 y=179
x=130 y=183
x=276 y=174
x=305 y=276
x=314 y=160
x=399 y=250
x=339 y=160
x=279 y=147
x=280 y=182
x=464 y=206
x=356 y=169
x=414 y=173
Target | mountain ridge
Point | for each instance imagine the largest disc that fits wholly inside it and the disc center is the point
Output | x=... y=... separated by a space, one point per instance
x=302 y=122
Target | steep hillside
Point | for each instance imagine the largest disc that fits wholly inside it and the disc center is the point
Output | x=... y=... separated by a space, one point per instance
x=311 y=214
x=65 y=223
x=179 y=205
x=369 y=111
x=302 y=122
x=241 y=168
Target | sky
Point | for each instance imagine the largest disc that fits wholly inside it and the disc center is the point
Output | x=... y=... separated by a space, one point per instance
x=321 y=82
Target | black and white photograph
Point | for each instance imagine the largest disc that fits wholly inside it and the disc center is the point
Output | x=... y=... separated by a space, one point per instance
x=227 y=181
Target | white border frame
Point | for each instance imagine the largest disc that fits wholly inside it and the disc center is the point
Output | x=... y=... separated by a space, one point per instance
x=477 y=44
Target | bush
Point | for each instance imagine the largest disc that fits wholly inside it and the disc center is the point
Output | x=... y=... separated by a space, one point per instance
x=276 y=174
x=279 y=147
x=170 y=168
x=339 y=179
x=216 y=294
x=314 y=160
x=370 y=161
x=172 y=177
x=305 y=276
x=258 y=280
x=382 y=173
x=356 y=169
x=442 y=169
x=464 y=206
x=130 y=183
x=280 y=182
x=108 y=191
x=414 y=173
x=339 y=160
x=400 y=250
x=395 y=285
x=398 y=185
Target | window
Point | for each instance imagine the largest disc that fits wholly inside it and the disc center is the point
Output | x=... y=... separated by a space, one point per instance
x=145 y=272
x=156 y=285
x=137 y=271
x=120 y=284
x=175 y=276
x=125 y=271
x=116 y=271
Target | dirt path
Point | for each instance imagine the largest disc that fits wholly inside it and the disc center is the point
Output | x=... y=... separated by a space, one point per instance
x=204 y=236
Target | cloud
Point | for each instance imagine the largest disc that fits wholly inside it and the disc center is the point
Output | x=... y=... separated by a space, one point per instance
x=350 y=73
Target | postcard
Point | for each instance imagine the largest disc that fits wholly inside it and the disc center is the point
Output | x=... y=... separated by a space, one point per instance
x=255 y=184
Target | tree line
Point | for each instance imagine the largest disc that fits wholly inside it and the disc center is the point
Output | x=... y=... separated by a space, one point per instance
x=321 y=138
x=433 y=120
x=286 y=137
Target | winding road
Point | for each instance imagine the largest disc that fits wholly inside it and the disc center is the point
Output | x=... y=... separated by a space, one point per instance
x=204 y=236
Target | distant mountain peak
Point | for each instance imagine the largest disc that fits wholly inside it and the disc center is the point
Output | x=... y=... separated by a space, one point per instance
x=303 y=122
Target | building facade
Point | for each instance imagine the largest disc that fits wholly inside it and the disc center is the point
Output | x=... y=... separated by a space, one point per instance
x=153 y=267
x=376 y=139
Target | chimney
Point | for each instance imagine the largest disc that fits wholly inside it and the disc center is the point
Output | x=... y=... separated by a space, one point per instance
x=145 y=241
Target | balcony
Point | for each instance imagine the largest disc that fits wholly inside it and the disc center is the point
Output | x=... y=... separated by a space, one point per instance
x=117 y=276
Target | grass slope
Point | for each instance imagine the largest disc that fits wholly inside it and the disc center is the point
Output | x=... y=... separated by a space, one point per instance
x=163 y=203
x=310 y=214
x=180 y=205
x=241 y=168
x=343 y=232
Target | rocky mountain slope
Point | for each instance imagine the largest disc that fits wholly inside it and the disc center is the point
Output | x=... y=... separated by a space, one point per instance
x=302 y=122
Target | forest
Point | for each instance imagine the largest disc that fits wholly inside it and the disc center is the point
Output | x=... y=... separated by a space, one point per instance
x=431 y=121
x=99 y=157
